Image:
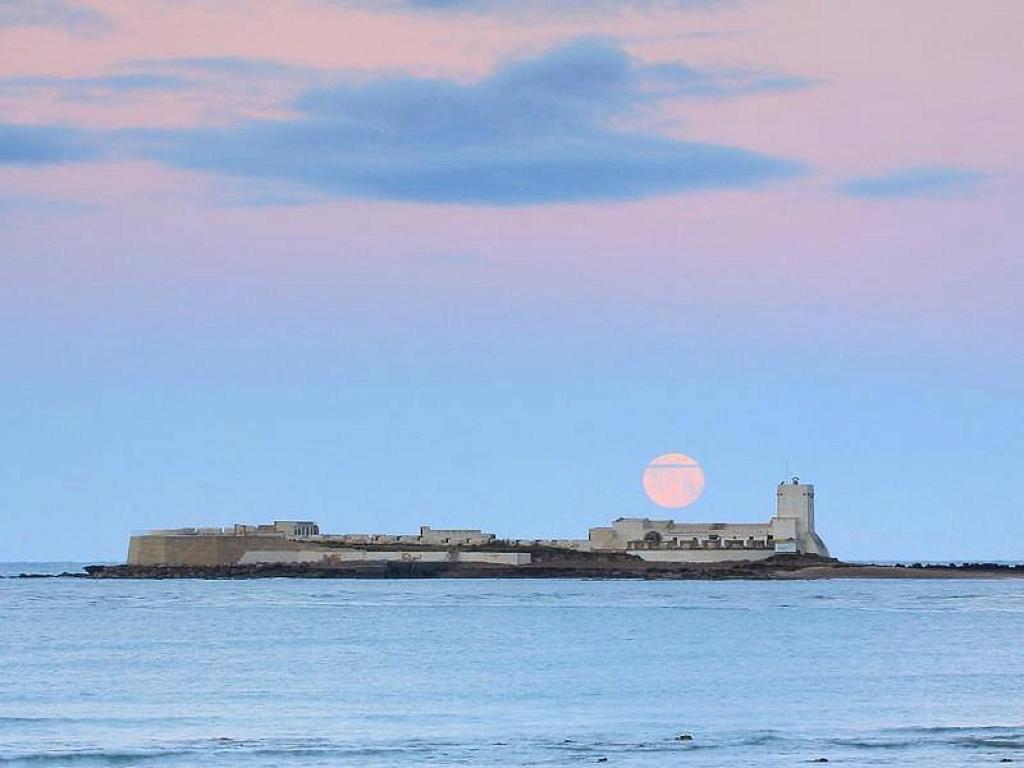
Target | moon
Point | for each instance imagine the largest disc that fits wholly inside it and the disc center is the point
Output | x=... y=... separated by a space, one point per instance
x=673 y=480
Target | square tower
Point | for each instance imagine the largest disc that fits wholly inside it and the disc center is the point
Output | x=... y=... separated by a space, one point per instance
x=796 y=500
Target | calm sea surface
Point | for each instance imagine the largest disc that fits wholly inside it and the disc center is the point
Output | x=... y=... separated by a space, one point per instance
x=389 y=673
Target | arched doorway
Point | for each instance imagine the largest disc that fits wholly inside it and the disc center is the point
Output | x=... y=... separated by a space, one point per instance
x=652 y=539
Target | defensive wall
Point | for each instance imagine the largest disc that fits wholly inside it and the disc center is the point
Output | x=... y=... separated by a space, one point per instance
x=790 y=531
x=200 y=549
x=341 y=556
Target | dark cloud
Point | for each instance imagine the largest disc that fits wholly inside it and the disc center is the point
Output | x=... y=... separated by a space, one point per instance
x=93 y=88
x=50 y=13
x=534 y=131
x=144 y=76
x=43 y=145
x=675 y=79
x=921 y=181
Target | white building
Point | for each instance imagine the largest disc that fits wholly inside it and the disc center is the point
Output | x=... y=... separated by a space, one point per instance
x=790 y=531
x=448 y=536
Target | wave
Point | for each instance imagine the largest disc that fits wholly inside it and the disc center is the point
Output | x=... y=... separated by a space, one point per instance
x=219 y=748
x=975 y=737
x=100 y=719
x=275 y=751
x=412 y=752
x=97 y=757
x=955 y=728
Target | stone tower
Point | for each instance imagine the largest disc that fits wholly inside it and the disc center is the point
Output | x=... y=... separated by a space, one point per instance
x=795 y=501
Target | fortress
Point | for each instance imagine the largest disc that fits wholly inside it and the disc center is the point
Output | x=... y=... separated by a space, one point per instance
x=790 y=531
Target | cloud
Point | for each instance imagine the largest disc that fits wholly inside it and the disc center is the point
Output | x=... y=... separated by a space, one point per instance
x=43 y=145
x=534 y=131
x=50 y=13
x=921 y=181
x=224 y=90
x=95 y=88
x=143 y=76
x=675 y=79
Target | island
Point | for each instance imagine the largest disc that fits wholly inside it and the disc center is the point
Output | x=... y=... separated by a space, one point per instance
x=785 y=547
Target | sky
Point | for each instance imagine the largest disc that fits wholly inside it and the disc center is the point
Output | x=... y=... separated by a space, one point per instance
x=475 y=263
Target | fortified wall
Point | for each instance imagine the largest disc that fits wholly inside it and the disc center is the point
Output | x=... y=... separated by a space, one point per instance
x=295 y=541
x=790 y=531
x=190 y=547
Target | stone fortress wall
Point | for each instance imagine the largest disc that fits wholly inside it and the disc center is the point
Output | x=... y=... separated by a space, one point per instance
x=190 y=547
x=790 y=531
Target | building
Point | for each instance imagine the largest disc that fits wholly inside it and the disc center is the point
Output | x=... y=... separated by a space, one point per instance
x=790 y=531
x=300 y=541
x=466 y=536
x=302 y=529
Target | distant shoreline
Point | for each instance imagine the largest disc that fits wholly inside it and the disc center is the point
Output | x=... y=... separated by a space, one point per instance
x=779 y=568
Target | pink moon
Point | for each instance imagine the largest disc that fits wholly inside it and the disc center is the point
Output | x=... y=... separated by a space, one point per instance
x=673 y=480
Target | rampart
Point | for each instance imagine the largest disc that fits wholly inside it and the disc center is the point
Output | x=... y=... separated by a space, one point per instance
x=200 y=549
x=790 y=532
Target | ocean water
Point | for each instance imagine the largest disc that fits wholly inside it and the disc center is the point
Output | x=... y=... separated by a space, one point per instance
x=283 y=672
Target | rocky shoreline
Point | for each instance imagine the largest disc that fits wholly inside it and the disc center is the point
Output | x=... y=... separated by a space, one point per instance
x=782 y=567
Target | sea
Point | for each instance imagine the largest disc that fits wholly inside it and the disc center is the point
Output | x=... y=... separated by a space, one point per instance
x=448 y=672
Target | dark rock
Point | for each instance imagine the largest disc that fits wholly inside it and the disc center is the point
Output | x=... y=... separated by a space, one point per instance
x=588 y=565
x=819 y=760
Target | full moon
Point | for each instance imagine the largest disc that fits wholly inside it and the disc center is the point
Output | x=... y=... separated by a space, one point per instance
x=673 y=480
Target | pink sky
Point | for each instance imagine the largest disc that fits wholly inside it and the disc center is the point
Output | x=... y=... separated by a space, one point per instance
x=892 y=86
